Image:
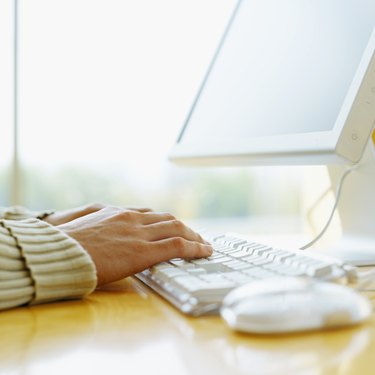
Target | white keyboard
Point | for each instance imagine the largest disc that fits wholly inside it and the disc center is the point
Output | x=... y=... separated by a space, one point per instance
x=198 y=286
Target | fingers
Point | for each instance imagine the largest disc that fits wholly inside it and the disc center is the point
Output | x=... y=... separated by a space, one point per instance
x=130 y=217
x=169 y=229
x=151 y=226
x=178 y=247
x=139 y=209
x=155 y=217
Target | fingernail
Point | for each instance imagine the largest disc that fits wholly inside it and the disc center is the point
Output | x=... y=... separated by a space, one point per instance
x=210 y=250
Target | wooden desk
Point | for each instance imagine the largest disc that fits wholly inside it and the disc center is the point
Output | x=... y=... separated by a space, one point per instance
x=125 y=329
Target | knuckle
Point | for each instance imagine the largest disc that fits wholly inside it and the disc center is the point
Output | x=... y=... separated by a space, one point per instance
x=111 y=208
x=178 y=242
x=125 y=215
x=145 y=209
x=169 y=216
x=201 y=239
x=139 y=246
x=178 y=224
x=95 y=206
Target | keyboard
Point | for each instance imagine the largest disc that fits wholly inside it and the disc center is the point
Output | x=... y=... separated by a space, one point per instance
x=198 y=286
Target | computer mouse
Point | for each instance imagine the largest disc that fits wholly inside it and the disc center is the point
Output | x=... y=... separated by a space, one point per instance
x=293 y=304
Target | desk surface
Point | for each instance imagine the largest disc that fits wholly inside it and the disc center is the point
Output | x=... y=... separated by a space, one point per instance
x=126 y=327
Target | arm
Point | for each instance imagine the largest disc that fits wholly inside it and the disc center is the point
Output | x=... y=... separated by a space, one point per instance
x=40 y=262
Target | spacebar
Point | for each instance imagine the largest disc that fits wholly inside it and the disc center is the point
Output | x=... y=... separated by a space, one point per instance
x=197 y=287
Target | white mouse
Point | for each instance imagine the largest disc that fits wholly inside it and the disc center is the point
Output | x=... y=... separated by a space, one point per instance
x=293 y=304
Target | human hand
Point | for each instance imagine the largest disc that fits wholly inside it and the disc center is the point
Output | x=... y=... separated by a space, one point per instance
x=122 y=242
x=62 y=217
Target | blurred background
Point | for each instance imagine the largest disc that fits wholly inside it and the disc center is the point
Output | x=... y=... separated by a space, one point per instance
x=104 y=87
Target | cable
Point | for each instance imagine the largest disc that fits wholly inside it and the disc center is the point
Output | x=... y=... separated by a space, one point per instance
x=359 y=280
x=338 y=194
x=315 y=205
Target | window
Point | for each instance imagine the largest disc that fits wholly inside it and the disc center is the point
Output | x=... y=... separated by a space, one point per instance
x=6 y=97
x=104 y=87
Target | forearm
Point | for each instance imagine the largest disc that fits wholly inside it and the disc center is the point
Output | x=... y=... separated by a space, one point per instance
x=40 y=263
x=100 y=246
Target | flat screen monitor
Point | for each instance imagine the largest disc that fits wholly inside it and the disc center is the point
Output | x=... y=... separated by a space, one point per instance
x=293 y=82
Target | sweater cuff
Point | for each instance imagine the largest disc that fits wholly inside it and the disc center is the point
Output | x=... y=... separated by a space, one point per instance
x=59 y=266
x=22 y=213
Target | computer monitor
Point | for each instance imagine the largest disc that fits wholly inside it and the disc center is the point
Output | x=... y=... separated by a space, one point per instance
x=293 y=82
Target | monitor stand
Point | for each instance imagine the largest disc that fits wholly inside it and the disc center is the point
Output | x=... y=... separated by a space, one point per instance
x=357 y=211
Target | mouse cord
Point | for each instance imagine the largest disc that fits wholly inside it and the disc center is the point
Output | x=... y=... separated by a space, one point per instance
x=338 y=194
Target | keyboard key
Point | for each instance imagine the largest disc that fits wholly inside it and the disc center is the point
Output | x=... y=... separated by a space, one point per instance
x=169 y=274
x=241 y=253
x=196 y=271
x=182 y=263
x=200 y=287
x=319 y=270
x=259 y=273
x=211 y=264
x=236 y=265
x=282 y=256
x=238 y=277
x=261 y=249
x=260 y=262
x=189 y=283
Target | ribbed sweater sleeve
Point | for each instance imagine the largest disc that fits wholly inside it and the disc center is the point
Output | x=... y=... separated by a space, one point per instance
x=21 y=213
x=40 y=263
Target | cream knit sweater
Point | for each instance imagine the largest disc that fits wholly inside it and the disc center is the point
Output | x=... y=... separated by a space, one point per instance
x=38 y=262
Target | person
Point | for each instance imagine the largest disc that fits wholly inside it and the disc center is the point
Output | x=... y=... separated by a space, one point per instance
x=50 y=256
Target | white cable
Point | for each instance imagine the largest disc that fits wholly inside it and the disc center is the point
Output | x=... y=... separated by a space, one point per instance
x=316 y=204
x=338 y=194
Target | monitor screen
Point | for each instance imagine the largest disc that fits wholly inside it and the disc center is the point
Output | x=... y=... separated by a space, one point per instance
x=279 y=78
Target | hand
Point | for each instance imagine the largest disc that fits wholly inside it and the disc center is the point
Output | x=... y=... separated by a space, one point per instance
x=123 y=242
x=62 y=217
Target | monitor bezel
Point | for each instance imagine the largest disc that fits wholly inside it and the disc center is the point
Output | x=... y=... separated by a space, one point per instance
x=345 y=143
